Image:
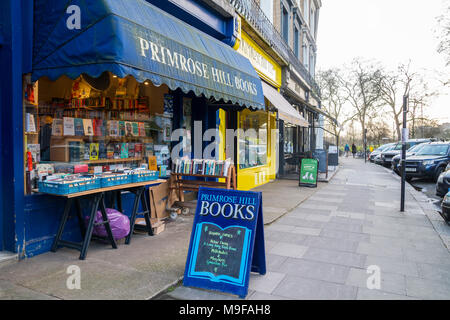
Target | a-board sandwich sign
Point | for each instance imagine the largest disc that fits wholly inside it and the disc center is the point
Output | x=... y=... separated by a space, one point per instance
x=308 y=173
x=227 y=241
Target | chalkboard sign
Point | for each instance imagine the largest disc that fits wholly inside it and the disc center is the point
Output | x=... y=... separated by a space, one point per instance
x=227 y=241
x=308 y=173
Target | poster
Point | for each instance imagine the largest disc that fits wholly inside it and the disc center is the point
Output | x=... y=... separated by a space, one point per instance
x=308 y=173
x=168 y=105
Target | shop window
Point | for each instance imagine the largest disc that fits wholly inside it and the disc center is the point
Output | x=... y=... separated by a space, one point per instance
x=94 y=125
x=252 y=139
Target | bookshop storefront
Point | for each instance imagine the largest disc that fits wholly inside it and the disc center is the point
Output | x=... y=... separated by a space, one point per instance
x=109 y=93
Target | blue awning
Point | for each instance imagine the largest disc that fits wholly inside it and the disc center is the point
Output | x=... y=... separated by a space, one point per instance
x=133 y=37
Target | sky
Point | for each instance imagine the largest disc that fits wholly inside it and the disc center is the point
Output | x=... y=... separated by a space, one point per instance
x=390 y=31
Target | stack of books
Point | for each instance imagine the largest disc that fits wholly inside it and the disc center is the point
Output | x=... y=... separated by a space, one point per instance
x=202 y=166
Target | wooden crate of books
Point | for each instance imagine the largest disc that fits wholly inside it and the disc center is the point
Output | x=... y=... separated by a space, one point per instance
x=223 y=172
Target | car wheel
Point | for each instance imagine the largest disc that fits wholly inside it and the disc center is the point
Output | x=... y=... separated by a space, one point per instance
x=438 y=173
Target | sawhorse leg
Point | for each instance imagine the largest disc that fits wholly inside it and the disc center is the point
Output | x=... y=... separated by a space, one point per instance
x=139 y=196
x=62 y=224
x=97 y=202
x=106 y=223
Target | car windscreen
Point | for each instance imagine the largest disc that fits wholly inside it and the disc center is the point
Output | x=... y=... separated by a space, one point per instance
x=416 y=147
x=389 y=148
x=398 y=146
x=433 y=150
x=383 y=147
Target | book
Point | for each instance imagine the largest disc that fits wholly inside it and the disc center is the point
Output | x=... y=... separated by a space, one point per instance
x=131 y=146
x=57 y=127
x=79 y=128
x=148 y=149
x=121 y=128
x=141 y=126
x=35 y=150
x=88 y=127
x=102 y=152
x=117 y=150
x=86 y=151
x=113 y=126
x=110 y=151
x=128 y=129
x=69 y=126
x=98 y=125
x=30 y=125
x=93 y=151
x=138 y=150
x=152 y=165
x=135 y=131
x=124 y=150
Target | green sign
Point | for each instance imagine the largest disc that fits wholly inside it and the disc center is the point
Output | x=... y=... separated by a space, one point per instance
x=308 y=173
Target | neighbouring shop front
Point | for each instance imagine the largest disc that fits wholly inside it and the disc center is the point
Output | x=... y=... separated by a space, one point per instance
x=258 y=161
x=110 y=93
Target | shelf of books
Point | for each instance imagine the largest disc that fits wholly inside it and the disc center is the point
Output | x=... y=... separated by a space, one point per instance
x=222 y=170
x=74 y=128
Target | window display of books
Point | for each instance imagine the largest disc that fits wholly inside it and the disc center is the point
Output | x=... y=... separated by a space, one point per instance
x=202 y=166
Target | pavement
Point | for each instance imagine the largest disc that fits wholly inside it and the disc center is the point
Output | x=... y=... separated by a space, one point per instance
x=320 y=244
x=330 y=245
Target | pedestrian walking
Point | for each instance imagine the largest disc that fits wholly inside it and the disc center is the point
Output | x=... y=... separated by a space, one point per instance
x=354 y=150
x=346 y=150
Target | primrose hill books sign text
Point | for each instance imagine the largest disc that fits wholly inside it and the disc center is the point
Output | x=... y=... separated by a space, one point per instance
x=200 y=69
x=227 y=241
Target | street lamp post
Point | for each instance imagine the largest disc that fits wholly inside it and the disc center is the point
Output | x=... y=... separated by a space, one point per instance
x=403 y=161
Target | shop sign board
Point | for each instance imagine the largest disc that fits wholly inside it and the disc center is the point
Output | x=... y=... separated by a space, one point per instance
x=263 y=63
x=308 y=173
x=227 y=241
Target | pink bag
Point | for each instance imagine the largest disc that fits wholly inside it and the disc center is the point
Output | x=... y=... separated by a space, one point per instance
x=120 y=224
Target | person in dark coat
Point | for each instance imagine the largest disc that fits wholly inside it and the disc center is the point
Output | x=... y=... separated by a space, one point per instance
x=354 y=150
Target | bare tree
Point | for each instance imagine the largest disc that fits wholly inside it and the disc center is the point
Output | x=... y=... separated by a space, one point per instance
x=419 y=98
x=363 y=89
x=444 y=24
x=393 y=87
x=334 y=99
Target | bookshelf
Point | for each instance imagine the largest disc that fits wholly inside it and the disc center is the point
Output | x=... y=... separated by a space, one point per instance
x=179 y=184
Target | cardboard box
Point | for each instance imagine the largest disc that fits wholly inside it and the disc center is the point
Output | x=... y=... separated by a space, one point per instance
x=159 y=196
x=158 y=225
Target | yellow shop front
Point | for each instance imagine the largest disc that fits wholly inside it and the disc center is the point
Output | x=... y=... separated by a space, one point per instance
x=257 y=134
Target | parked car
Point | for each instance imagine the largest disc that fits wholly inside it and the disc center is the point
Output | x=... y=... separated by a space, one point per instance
x=428 y=162
x=377 y=151
x=377 y=159
x=445 y=206
x=387 y=155
x=410 y=152
x=443 y=183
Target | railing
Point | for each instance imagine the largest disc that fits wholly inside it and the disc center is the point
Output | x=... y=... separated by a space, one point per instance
x=253 y=14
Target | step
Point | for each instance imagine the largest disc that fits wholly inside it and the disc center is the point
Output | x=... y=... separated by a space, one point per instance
x=7 y=258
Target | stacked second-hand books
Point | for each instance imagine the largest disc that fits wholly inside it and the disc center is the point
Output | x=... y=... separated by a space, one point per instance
x=202 y=166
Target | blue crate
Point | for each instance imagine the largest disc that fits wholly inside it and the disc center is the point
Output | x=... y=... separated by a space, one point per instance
x=59 y=188
x=146 y=176
x=94 y=183
x=108 y=181
x=114 y=180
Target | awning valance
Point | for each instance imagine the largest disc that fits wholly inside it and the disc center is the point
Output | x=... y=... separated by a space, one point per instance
x=133 y=37
x=286 y=112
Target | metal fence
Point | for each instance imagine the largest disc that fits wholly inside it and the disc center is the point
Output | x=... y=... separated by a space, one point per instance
x=253 y=14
